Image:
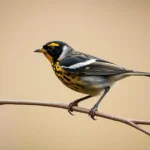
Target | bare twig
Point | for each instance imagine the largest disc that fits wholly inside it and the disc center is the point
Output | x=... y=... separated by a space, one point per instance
x=130 y=122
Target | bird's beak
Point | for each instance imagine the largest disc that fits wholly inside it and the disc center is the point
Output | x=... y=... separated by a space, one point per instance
x=42 y=50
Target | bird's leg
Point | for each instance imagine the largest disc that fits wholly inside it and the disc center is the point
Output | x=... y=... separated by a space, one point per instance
x=94 y=108
x=75 y=103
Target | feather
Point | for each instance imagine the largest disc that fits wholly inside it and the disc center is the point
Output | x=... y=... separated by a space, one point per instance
x=84 y=64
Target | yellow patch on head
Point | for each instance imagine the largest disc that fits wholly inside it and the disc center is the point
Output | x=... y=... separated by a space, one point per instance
x=53 y=44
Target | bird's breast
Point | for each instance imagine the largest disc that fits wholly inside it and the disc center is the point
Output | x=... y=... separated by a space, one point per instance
x=82 y=84
x=70 y=80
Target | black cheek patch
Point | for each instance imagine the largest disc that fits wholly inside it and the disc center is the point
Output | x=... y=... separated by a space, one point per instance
x=55 y=53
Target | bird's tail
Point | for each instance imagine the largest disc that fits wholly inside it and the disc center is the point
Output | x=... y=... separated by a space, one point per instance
x=138 y=73
x=128 y=74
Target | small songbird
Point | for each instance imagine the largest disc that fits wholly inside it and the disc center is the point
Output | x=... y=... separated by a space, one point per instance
x=84 y=73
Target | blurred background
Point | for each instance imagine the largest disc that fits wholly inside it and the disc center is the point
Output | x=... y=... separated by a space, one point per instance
x=118 y=31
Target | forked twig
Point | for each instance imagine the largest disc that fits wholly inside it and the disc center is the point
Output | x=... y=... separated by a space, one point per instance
x=130 y=122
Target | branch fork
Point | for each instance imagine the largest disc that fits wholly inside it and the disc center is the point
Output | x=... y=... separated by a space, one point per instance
x=131 y=122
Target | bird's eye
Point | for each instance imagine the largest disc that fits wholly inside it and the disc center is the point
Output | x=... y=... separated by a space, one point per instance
x=50 y=48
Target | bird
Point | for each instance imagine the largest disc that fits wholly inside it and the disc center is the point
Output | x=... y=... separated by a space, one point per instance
x=84 y=73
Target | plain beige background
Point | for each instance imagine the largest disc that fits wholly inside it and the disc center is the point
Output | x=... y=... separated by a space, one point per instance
x=118 y=31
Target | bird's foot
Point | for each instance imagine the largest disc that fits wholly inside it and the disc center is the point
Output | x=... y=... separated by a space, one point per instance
x=70 y=110
x=92 y=112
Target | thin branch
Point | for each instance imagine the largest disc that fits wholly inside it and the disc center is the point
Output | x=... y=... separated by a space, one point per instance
x=131 y=122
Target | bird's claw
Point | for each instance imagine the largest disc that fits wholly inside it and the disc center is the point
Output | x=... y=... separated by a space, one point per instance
x=92 y=113
x=70 y=108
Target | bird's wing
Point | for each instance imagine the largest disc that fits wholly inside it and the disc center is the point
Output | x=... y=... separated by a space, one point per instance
x=84 y=64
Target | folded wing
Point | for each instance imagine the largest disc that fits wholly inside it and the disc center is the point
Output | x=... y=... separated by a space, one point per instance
x=90 y=66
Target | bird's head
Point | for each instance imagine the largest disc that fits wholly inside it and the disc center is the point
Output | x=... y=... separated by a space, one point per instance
x=54 y=50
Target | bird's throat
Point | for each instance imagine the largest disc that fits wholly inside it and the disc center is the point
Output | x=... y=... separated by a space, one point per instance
x=49 y=57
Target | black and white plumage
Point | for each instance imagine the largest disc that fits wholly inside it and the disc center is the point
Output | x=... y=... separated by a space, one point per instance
x=84 y=73
x=84 y=64
x=88 y=65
